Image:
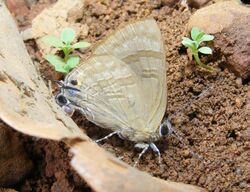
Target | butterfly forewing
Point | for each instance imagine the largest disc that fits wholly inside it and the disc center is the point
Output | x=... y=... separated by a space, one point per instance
x=140 y=46
x=110 y=94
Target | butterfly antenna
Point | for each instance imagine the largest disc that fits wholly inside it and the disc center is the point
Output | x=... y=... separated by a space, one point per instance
x=195 y=155
x=180 y=138
x=172 y=130
x=60 y=83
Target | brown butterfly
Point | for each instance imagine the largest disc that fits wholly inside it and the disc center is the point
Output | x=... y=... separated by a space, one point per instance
x=122 y=86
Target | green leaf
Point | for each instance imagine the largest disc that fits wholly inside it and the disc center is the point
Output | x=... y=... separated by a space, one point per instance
x=205 y=50
x=67 y=35
x=207 y=38
x=80 y=45
x=57 y=62
x=72 y=62
x=194 y=33
x=53 y=41
x=199 y=37
x=67 y=49
x=187 y=42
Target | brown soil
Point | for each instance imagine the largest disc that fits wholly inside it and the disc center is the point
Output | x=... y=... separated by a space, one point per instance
x=215 y=126
x=52 y=171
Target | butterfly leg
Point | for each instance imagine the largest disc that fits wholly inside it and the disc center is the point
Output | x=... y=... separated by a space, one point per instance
x=155 y=149
x=144 y=147
x=106 y=137
x=85 y=111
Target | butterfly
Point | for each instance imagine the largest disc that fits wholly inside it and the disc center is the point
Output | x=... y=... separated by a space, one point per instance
x=122 y=86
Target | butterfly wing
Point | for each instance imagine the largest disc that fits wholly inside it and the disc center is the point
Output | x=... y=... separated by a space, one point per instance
x=110 y=92
x=140 y=46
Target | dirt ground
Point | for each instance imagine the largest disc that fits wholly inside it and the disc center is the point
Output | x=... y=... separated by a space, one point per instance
x=216 y=126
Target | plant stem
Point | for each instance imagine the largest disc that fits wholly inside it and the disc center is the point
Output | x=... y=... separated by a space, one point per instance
x=66 y=57
x=67 y=50
x=198 y=61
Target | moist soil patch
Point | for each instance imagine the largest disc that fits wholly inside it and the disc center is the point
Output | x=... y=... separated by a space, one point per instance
x=215 y=126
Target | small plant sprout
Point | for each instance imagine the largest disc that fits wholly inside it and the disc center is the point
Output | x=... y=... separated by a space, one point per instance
x=194 y=44
x=69 y=61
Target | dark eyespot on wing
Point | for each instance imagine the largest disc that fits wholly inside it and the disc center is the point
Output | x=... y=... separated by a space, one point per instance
x=74 y=82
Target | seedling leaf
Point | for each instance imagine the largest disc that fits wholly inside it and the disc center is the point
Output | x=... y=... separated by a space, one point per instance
x=194 y=33
x=199 y=37
x=194 y=44
x=57 y=62
x=67 y=35
x=187 y=42
x=205 y=50
x=68 y=62
x=72 y=62
x=53 y=41
x=207 y=38
x=80 y=45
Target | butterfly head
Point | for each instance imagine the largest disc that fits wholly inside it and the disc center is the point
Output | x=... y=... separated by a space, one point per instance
x=166 y=128
x=62 y=100
x=147 y=136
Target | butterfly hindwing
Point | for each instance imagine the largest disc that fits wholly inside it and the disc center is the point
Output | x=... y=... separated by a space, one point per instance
x=110 y=92
x=140 y=46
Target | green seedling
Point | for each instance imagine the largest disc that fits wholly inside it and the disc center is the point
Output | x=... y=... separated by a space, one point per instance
x=194 y=44
x=64 y=44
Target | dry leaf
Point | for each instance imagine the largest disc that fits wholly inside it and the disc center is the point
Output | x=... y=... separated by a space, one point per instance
x=25 y=102
x=106 y=174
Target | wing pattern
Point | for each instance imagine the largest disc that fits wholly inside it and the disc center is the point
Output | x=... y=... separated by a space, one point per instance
x=124 y=82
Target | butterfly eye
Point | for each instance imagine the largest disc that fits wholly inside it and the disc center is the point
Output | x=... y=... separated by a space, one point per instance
x=61 y=99
x=165 y=128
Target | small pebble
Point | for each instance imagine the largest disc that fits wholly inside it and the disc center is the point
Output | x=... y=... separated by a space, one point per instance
x=197 y=3
x=238 y=171
x=210 y=111
x=186 y=153
x=190 y=84
x=243 y=184
x=169 y=3
x=99 y=9
x=239 y=82
x=186 y=162
x=238 y=102
x=246 y=134
x=178 y=77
